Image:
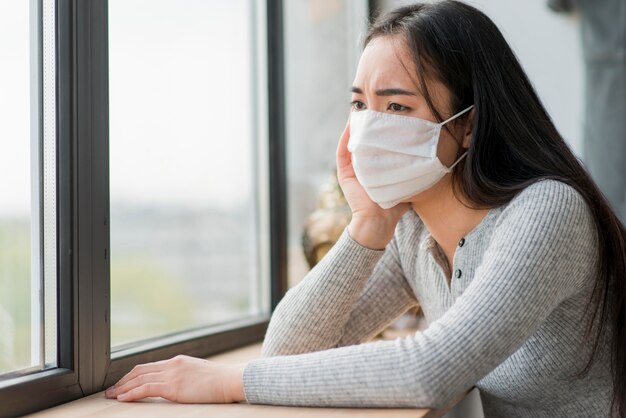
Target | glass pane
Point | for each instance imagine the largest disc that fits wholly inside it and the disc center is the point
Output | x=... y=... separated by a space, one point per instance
x=28 y=184
x=186 y=214
x=321 y=54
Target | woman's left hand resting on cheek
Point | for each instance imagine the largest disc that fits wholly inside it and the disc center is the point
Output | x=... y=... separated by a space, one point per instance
x=182 y=379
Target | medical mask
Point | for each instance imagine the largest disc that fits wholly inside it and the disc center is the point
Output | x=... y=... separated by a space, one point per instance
x=395 y=157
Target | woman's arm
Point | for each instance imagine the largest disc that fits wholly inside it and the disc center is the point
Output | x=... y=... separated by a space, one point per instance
x=542 y=251
x=348 y=297
x=361 y=269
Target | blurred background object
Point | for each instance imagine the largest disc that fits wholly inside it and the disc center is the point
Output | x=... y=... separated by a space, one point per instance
x=603 y=36
x=325 y=225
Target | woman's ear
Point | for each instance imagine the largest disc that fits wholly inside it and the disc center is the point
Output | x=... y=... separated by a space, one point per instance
x=467 y=134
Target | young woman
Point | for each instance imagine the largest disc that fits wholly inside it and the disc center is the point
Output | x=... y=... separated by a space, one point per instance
x=466 y=200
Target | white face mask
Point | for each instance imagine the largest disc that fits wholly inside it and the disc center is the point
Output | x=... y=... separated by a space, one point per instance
x=395 y=157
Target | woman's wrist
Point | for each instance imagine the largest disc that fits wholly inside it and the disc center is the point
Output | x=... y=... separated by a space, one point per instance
x=374 y=234
x=237 y=393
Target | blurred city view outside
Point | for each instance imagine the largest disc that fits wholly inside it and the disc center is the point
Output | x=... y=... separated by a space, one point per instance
x=174 y=269
x=28 y=240
x=15 y=188
x=15 y=318
x=184 y=204
x=184 y=207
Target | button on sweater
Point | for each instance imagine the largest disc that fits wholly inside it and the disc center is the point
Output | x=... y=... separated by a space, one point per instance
x=511 y=324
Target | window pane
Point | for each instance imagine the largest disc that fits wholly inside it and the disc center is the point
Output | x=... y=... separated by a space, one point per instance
x=28 y=184
x=187 y=218
x=321 y=55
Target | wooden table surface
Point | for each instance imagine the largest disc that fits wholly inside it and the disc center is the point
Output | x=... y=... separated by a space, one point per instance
x=97 y=405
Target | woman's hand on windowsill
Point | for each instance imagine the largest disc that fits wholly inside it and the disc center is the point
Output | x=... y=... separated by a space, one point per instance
x=182 y=379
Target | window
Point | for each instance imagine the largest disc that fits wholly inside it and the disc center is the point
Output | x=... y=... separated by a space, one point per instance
x=188 y=187
x=143 y=181
x=28 y=183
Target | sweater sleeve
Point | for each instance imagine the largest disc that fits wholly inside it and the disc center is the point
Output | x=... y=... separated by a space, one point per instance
x=539 y=255
x=348 y=297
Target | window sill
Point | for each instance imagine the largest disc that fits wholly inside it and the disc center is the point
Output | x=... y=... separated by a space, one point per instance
x=98 y=405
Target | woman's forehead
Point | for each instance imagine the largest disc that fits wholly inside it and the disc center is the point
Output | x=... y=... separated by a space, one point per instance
x=385 y=61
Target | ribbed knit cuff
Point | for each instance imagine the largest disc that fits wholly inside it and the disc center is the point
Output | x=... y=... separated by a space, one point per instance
x=346 y=240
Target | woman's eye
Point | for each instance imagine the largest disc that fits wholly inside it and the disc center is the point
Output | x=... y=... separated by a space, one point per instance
x=357 y=105
x=395 y=107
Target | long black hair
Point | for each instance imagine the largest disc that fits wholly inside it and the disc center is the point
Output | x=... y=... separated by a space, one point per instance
x=514 y=143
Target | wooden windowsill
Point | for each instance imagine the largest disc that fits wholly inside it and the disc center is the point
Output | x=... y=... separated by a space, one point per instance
x=97 y=405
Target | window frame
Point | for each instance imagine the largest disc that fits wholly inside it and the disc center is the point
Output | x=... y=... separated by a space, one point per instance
x=85 y=365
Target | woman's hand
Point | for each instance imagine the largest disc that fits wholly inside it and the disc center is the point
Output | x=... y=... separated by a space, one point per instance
x=182 y=379
x=371 y=225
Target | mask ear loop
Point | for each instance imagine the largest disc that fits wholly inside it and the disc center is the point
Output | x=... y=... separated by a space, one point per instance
x=456 y=116
x=448 y=120
x=457 y=161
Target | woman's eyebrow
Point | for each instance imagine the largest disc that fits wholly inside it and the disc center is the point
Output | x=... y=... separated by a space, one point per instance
x=386 y=92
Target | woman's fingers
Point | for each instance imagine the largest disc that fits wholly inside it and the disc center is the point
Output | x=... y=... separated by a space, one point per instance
x=135 y=382
x=147 y=390
x=344 y=159
x=141 y=369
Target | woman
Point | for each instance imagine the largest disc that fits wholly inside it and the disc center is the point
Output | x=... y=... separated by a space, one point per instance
x=466 y=200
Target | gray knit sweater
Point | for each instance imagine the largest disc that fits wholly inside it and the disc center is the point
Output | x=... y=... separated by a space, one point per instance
x=507 y=319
